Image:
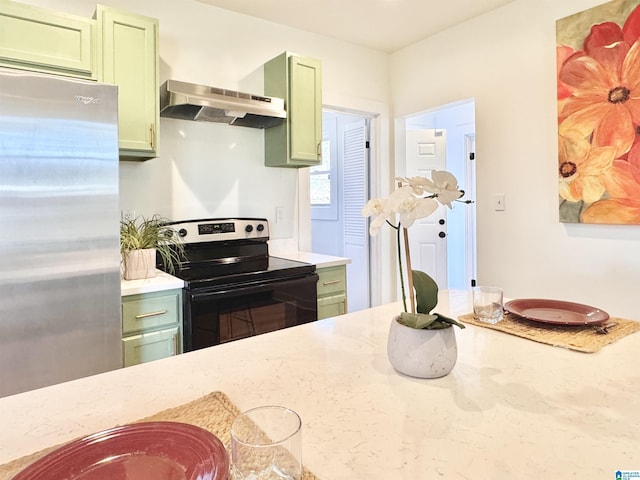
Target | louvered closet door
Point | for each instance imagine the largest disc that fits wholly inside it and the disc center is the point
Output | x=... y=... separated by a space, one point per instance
x=355 y=190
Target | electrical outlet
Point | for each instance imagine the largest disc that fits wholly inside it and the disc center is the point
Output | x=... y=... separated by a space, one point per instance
x=127 y=214
x=279 y=214
x=498 y=202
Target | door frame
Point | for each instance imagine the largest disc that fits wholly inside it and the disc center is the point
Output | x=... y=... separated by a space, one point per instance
x=464 y=171
x=377 y=268
x=470 y=181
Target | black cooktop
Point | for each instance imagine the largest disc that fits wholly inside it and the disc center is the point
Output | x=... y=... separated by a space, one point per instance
x=246 y=271
x=221 y=253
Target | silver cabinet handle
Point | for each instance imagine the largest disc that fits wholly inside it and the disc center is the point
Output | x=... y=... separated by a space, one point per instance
x=175 y=343
x=150 y=314
x=331 y=282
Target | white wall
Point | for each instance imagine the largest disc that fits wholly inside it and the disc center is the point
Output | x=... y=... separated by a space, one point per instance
x=207 y=169
x=505 y=60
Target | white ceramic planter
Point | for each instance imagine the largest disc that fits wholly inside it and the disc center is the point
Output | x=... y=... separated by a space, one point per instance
x=421 y=353
x=140 y=264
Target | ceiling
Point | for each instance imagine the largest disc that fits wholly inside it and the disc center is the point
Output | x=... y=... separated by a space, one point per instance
x=385 y=25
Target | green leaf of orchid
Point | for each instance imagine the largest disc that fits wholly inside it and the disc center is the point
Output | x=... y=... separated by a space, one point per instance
x=427 y=321
x=417 y=320
x=449 y=320
x=426 y=291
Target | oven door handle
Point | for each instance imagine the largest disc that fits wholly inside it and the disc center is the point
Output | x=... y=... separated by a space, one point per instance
x=237 y=291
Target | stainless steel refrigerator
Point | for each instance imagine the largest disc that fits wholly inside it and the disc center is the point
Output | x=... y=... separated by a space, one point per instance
x=59 y=230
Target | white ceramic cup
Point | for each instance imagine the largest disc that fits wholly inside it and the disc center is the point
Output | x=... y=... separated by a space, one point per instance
x=487 y=304
x=266 y=444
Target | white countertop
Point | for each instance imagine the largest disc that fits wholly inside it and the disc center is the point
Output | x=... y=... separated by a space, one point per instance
x=317 y=259
x=162 y=281
x=511 y=408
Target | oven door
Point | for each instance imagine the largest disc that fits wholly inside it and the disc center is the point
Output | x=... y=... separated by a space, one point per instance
x=227 y=314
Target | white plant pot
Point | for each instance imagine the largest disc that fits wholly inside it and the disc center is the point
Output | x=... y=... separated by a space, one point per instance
x=140 y=264
x=421 y=353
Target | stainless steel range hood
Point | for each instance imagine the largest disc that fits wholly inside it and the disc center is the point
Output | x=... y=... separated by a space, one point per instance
x=188 y=101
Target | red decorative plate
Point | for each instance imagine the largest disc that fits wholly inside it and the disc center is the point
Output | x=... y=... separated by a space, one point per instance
x=556 y=312
x=141 y=451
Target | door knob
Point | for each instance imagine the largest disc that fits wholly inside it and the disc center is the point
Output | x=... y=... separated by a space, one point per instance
x=442 y=234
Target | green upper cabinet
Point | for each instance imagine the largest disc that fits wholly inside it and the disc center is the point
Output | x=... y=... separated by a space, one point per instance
x=116 y=47
x=37 y=39
x=296 y=142
x=128 y=58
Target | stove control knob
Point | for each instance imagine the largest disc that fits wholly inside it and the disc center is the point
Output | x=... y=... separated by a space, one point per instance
x=182 y=232
x=260 y=227
x=248 y=228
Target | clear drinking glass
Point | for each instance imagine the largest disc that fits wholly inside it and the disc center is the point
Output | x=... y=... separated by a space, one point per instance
x=487 y=304
x=266 y=444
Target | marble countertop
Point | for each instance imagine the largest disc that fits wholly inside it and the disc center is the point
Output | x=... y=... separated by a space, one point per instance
x=162 y=281
x=317 y=259
x=511 y=408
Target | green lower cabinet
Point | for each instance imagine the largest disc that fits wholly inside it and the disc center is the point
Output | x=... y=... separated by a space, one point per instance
x=332 y=291
x=41 y=40
x=332 y=306
x=150 y=346
x=128 y=57
x=151 y=326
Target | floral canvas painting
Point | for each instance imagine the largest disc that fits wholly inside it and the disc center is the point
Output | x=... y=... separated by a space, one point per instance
x=598 y=62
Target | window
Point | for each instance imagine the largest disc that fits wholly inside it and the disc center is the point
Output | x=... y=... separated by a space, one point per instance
x=320 y=177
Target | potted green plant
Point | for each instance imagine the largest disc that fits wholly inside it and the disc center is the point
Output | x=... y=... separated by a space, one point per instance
x=141 y=238
x=421 y=343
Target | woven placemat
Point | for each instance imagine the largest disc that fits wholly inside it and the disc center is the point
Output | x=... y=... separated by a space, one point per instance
x=213 y=412
x=585 y=339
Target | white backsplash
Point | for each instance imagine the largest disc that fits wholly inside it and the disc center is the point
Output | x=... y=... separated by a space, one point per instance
x=211 y=170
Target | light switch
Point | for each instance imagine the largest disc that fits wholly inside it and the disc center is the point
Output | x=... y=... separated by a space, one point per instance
x=498 y=202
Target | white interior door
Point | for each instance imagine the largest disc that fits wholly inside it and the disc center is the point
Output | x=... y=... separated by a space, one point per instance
x=426 y=151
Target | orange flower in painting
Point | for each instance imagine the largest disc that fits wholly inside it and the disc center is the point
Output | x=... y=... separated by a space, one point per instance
x=633 y=157
x=605 y=103
x=581 y=167
x=623 y=184
x=563 y=52
x=605 y=78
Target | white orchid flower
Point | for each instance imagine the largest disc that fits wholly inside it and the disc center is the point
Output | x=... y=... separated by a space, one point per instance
x=408 y=202
x=416 y=208
x=375 y=206
x=410 y=207
x=420 y=185
x=378 y=208
x=446 y=185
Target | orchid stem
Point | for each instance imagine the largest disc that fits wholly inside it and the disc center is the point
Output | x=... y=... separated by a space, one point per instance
x=407 y=257
x=404 y=296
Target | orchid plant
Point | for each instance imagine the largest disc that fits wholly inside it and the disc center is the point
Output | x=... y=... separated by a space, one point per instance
x=415 y=198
